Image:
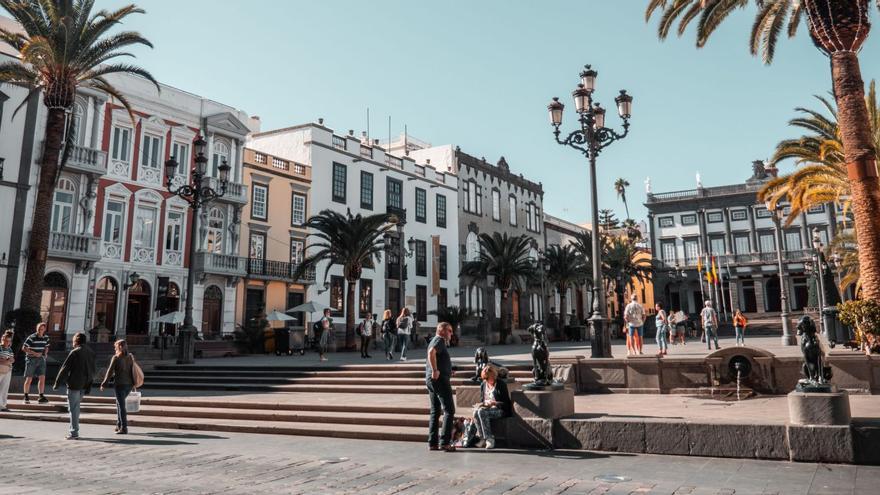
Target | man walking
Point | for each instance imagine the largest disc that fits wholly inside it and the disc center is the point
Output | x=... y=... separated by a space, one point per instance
x=634 y=317
x=36 y=348
x=438 y=371
x=76 y=374
x=322 y=338
x=710 y=325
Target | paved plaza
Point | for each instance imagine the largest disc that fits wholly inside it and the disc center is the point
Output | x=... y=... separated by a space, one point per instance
x=175 y=462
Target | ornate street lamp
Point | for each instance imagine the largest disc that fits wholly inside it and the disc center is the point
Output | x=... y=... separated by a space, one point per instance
x=820 y=273
x=197 y=195
x=787 y=337
x=591 y=139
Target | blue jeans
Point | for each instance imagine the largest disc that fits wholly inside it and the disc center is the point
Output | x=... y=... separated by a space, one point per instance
x=403 y=338
x=711 y=335
x=484 y=417
x=740 y=335
x=74 y=399
x=390 y=341
x=662 y=334
x=633 y=330
x=122 y=392
x=440 y=395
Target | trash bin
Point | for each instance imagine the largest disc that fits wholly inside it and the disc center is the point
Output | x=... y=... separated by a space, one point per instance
x=282 y=342
x=835 y=331
x=269 y=340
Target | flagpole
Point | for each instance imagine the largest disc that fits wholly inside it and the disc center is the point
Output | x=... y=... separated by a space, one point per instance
x=700 y=280
x=717 y=304
x=729 y=286
x=723 y=298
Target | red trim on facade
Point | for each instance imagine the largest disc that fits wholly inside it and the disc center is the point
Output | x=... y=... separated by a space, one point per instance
x=135 y=152
x=160 y=235
x=129 y=224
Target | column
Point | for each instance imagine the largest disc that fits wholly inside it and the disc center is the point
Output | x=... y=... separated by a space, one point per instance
x=831 y=213
x=753 y=235
x=734 y=294
x=97 y=124
x=652 y=233
x=728 y=235
x=704 y=238
x=759 y=293
x=239 y=161
x=806 y=239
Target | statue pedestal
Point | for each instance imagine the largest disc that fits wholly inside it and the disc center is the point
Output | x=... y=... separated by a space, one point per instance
x=819 y=408
x=543 y=404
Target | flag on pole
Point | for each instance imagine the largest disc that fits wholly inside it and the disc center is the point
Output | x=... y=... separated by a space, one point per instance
x=715 y=272
x=699 y=267
x=708 y=271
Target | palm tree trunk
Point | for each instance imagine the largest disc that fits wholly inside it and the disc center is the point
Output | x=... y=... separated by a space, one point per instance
x=861 y=169
x=626 y=207
x=38 y=243
x=505 y=318
x=350 y=316
x=563 y=310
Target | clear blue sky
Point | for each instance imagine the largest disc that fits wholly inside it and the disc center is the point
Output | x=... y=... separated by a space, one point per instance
x=480 y=74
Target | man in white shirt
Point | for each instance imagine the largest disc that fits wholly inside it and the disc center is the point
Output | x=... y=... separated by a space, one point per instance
x=634 y=317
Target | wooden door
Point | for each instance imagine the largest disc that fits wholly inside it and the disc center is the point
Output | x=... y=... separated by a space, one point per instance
x=212 y=313
x=54 y=309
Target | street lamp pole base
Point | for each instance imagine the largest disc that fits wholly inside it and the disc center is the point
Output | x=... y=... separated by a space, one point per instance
x=788 y=338
x=186 y=345
x=600 y=340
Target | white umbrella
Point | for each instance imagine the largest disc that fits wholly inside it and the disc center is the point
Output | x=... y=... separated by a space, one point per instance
x=175 y=317
x=309 y=307
x=279 y=316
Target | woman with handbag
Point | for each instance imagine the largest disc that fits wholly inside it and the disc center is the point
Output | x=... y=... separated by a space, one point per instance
x=494 y=404
x=122 y=371
x=389 y=333
x=7 y=357
x=404 y=328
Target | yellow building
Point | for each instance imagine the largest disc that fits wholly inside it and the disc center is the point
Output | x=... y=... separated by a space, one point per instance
x=272 y=236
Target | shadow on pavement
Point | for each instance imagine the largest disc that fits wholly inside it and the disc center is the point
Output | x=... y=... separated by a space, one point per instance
x=553 y=454
x=191 y=436
x=8 y=437
x=136 y=441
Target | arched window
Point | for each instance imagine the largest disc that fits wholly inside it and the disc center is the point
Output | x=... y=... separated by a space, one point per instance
x=472 y=247
x=62 y=207
x=216 y=222
x=221 y=154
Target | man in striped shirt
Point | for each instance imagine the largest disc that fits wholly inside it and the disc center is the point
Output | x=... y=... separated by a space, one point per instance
x=36 y=348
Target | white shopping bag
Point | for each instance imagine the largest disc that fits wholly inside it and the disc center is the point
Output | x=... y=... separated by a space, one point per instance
x=133 y=402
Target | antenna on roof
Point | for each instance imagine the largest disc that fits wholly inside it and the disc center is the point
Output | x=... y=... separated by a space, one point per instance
x=405 y=145
x=368 y=125
x=389 y=135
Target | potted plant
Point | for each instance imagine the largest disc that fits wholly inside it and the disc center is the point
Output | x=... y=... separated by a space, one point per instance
x=864 y=317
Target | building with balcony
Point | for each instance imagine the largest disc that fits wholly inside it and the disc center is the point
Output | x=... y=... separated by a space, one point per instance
x=273 y=237
x=112 y=215
x=728 y=223
x=354 y=174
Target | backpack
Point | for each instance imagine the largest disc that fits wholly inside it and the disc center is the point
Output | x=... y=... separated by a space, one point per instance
x=360 y=329
x=404 y=323
x=316 y=328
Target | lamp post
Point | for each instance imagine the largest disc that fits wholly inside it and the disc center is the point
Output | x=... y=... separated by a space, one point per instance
x=787 y=337
x=196 y=194
x=820 y=271
x=590 y=140
x=543 y=266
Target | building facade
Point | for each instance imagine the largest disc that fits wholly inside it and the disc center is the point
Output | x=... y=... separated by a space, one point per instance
x=273 y=237
x=112 y=216
x=561 y=232
x=728 y=223
x=356 y=175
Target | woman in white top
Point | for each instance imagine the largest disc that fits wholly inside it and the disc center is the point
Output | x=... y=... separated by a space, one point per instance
x=404 y=327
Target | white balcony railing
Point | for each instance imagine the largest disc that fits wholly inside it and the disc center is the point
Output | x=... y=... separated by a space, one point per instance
x=235 y=192
x=87 y=160
x=74 y=246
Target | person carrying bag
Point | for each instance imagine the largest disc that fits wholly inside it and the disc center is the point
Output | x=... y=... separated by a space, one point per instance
x=404 y=327
x=122 y=371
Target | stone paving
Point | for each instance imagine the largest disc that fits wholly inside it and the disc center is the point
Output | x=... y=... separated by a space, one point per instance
x=36 y=460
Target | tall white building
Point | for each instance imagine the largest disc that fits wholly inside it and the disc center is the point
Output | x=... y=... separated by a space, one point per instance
x=353 y=174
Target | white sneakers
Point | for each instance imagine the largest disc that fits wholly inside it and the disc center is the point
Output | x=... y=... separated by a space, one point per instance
x=490 y=443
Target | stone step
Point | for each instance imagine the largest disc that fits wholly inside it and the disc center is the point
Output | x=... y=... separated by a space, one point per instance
x=412 y=368
x=255 y=387
x=271 y=373
x=153 y=380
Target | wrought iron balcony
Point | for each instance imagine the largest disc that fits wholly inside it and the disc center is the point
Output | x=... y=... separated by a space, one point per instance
x=263 y=269
x=78 y=247
x=400 y=213
x=87 y=160
x=721 y=261
x=219 y=264
x=235 y=192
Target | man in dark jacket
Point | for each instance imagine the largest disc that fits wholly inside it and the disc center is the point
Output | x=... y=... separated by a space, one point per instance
x=76 y=374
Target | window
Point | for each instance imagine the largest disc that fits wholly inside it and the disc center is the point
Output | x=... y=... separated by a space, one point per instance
x=180 y=152
x=338 y=142
x=297 y=250
x=366 y=190
x=337 y=294
x=442 y=298
x=174 y=231
x=214 y=240
x=738 y=215
x=145 y=226
x=691 y=251
x=472 y=247
x=714 y=217
x=479 y=200
x=259 y=201
x=767 y=242
x=666 y=221
x=816 y=209
x=717 y=245
x=421 y=205
x=793 y=240
x=538 y=219
x=297 y=209
x=762 y=213
x=530 y=216
x=823 y=233
x=395 y=193
x=668 y=250
x=741 y=244
x=689 y=219
x=511 y=203
x=473 y=198
x=421 y=303
x=221 y=154
x=421 y=259
x=121 y=143
x=151 y=151
x=496 y=205
x=441 y=211
x=112 y=229
x=366 y=297
x=62 y=207
x=442 y=262
x=257 y=246
x=466 y=193
x=339 y=180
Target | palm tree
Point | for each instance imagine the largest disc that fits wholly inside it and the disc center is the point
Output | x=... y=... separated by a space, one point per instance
x=620 y=186
x=566 y=268
x=623 y=266
x=454 y=315
x=64 y=47
x=844 y=247
x=838 y=28
x=583 y=246
x=350 y=241
x=507 y=259
x=822 y=179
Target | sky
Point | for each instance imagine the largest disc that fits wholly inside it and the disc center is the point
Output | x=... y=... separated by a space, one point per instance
x=479 y=74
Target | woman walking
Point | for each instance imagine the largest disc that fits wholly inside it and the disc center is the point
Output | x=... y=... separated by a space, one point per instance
x=389 y=333
x=404 y=328
x=121 y=371
x=494 y=404
x=739 y=326
x=662 y=323
x=7 y=357
x=366 y=332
